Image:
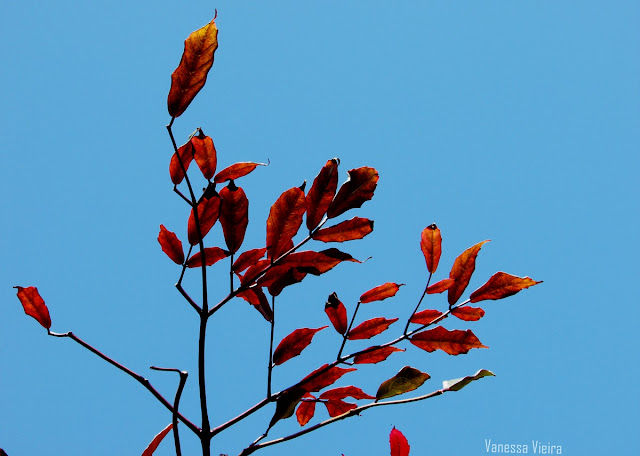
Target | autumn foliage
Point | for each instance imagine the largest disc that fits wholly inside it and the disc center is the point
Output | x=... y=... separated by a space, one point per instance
x=300 y=224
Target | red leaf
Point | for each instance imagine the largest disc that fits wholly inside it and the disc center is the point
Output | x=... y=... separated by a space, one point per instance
x=425 y=317
x=322 y=192
x=34 y=305
x=205 y=155
x=431 y=245
x=175 y=169
x=171 y=245
x=284 y=221
x=358 y=189
x=462 y=270
x=317 y=263
x=370 y=328
x=236 y=171
x=256 y=297
x=208 y=213
x=337 y=313
x=212 y=256
x=156 y=441
x=380 y=292
x=292 y=345
x=306 y=410
x=502 y=285
x=345 y=391
x=234 y=215
x=452 y=342
x=284 y=276
x=248 y=258
x=468 y=313
x=399 y=444
x=349 y=230
x=375 y=356
x=337 y=407
x=254 y=272
x=316 y=382
x=441 y=286
x=191 y=74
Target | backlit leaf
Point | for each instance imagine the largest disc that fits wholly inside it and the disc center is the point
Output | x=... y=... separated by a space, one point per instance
x=254 y=272
x=292 y=345
x=425 y=317
x=380 y=292
x=408 y=379
x=370 y=328
x=208 y=213
x=285 y=218
x=156 y=441
x=234 y=215
x=211 y=254
x=468 y=313
x=236 y=171
x=306 y=409
x=316 y=382
x=461 y=272
x=345 y=391
x=171 y=245
x=34 y=305
x=459 y=383
x=256 y=297
x=358 y=189
x=441 y=286
x=321 y=193
x=205 y=154
x=375 y=356
x=337 y=313
x=248 y=258
x=454 y=342
x=175 y=168
x=317 y=263
x=349 y=230
x=501 y=285
x=399 y=444
x=287 y=276
x=431 y=245
x=337 y=407
x=191 y=74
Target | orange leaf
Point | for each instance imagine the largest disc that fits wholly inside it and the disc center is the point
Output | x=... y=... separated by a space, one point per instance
x=234 y=215
x=171 y=245
x=306 y=410
x=425 y=317
x=501 y=285
x=370 y=328
x=191 y=74
x=256 y=297
x=34 y=305
x=208 y=213
x=358 y=189
x=285 y=218
x=337 y=313
x=375 y=356
x=236 y=171
x=380 y=292
x=175 y=168
x=462 y=270
x=399 y=444
x=349 y=230
x=211 y=254
x=156 y=441
x=441 y=286
x=205 y=155
x=431 y=245
x=316 y=382
x=455 y=342
x=292 y=345
x=321 y=193
x=408 y=379
x=468 y=313
x=248 y=258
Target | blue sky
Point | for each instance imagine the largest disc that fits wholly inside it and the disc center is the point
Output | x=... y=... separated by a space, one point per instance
x=511 y=121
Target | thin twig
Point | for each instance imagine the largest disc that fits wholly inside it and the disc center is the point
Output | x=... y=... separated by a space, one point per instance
x=176 y=403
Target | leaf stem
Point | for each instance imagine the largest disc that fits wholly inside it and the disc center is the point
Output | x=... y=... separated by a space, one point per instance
x=273 y=324
x=424 y=293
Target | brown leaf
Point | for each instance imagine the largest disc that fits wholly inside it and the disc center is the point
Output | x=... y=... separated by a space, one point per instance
x=171 y=245
x=380 y=292
x=425 y=317
x=441 y=286
x=502 y=285
x=191 y=74
x=205 y=154
x=175 y=168
x=34 y=305
x=248 y=258
x=285 y=218
x=337 y=313
x=321 y=193
x=306 y=409
x=358 y=189
x=454 y=342
x=256 y=297
x=468 y=313
x=370 y=328
x=156 y=441
x=431 y=245
x=349 y=230
x=408 y=379
x=234 y=215
x=236 y=171
x=461 y=272
x=286 y=404
x=208 y=213
x=211 y=254
x=292 y=345
x=375 y=356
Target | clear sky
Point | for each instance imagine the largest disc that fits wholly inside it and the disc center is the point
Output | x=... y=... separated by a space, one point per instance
x=515 y=121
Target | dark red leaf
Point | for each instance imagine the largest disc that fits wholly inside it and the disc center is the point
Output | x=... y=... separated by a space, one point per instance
x=292 y=345
x=171 y=245
x=317 y=263
x=236 y=171
x=399 y=444
x=234 y=215
x=321 y=193
x=349 y=230
x=306 y=409
x=358 y=189
x=502 y=285
x=425 y=317
x=431 y=245
x=337 y=313
x=345 y=391
x=370 y=328
x=34 y=305
x=280 y=277
x=375 y=356
x=212 y=256
x=441 y=286
x=208 y=213
x=191 y=74
x=205 y=154
x=454 y=342
x=337 y=407
x=156 y=441
x=316 y=382
x=175 y=169
x=254 y=272
x=380 y=292
x=256 y=297
x=248 y=258
x=468 y=313
x=284 y=221
x=461 y=272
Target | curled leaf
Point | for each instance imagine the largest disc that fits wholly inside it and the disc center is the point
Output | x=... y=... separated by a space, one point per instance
x=502 y=285
x=408 y=379
x=171 y=245
x=358 y=189
x=34 y=305
x=256 y=297
x=461 y=272
x=184 y=155
x=459 y=383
